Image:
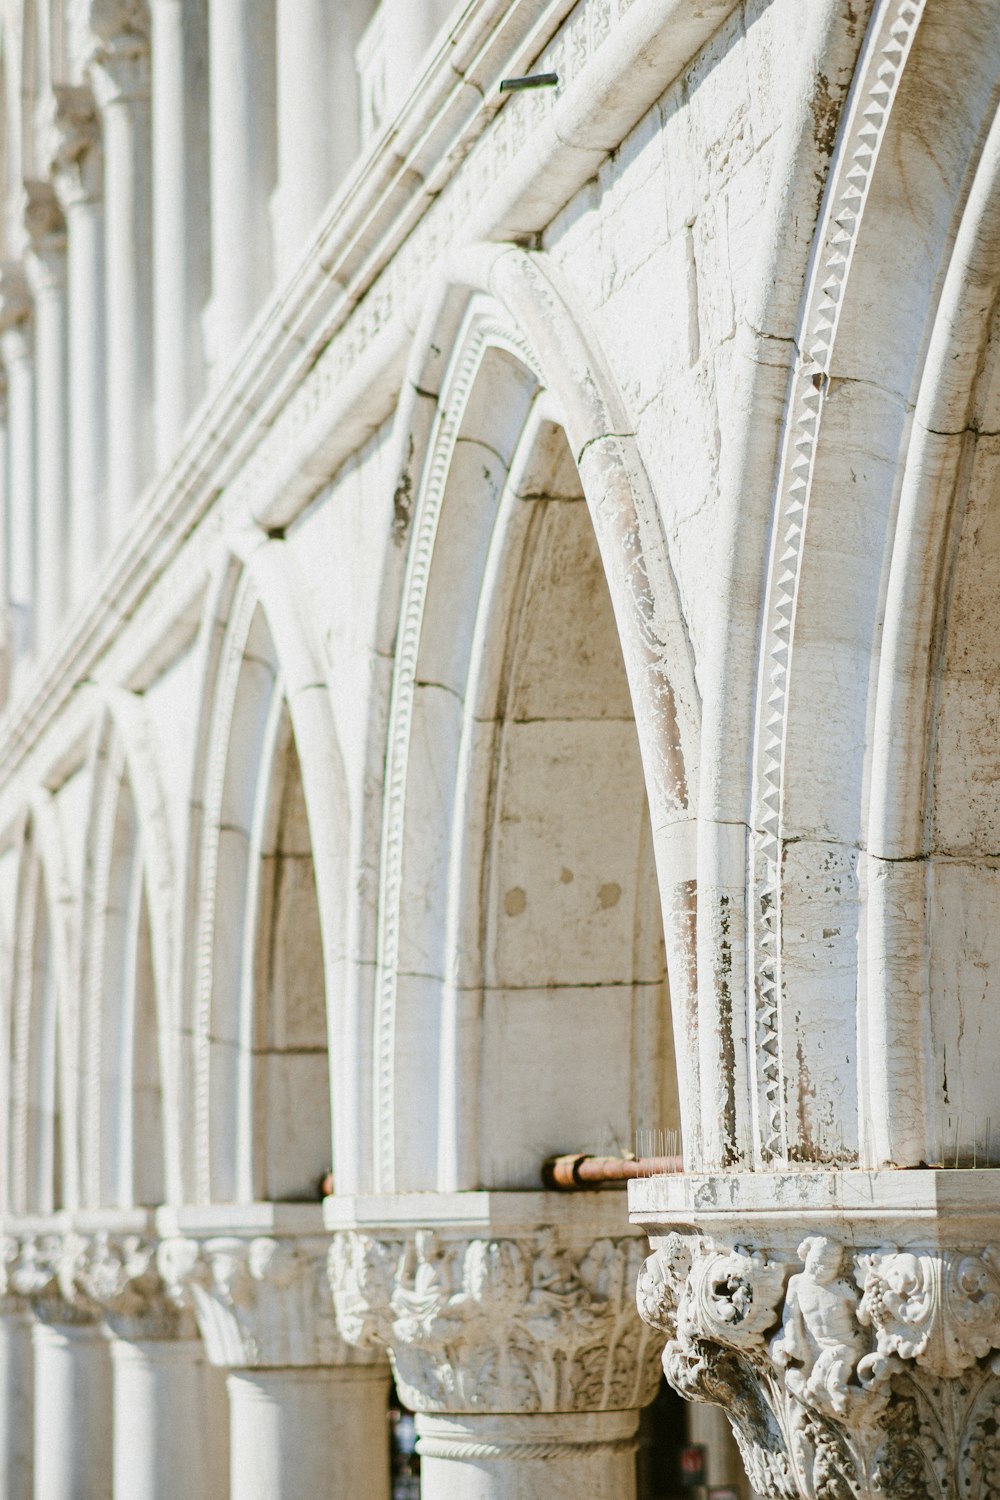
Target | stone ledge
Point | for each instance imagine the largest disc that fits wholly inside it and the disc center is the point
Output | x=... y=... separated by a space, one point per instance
x=926 y=1203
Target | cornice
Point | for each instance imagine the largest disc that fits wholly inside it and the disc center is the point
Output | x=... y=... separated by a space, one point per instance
x=459 y=163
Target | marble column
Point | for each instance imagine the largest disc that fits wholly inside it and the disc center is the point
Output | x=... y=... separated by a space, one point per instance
x=309 y=40
x=310 y=1431
x=520 y=1351
x=46 y=270
x=17 y=351
x=242 y=93
x=6 y=627
x=120 y=76
x=308 y=1414
x=848 y=1323
x=73 y=1409
x=318 y=114
x=16 y=1384
x=169 y=1411
x=181 y=213
x=75 y=161
x=72 y=1374
x=410 y=28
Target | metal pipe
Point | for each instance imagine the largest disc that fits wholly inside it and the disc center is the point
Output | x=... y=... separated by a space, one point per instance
x=577 y=1172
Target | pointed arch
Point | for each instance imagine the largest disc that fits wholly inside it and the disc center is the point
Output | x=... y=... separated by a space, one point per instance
x=128 y=1035
x=828 y=1031
x=43 y=1156
x=504 y=331
x=268 y=872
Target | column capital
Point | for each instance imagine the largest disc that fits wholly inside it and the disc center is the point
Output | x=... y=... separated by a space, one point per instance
x=119 y=62
x=119 y=1274
x=260 y=1302
x=71 y=143
x=849 y=1370
x=526 y=1324
x=45 y=238
x=41 y=1273
x=15 y=296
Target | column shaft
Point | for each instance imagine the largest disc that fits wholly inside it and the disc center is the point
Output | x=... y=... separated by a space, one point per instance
x=87 y=394
x=16 y=1479
x=410 y=27
x=73 y=1404
x=241 y=48
x=321 y=1431
x=16 y=344
x=123 y=89
x=47 y=270
x=181 y=209
x=75 y=164
x=166 y=1418
x=537 y=1457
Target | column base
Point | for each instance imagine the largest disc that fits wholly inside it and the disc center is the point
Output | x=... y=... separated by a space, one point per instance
x=536 y=1457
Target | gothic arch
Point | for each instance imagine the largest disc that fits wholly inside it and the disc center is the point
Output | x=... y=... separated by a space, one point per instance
x=267 y=873
x=43 y=1156
x=899 y=178
x=932 y=814
x=503 y=344
x=128 y=1033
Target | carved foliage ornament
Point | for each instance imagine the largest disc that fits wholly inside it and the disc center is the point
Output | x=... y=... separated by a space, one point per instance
x=503 y=1325
x=259 y=1302
x=871 y=1376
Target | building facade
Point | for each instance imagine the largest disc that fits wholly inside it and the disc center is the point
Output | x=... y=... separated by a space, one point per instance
x=500 y=659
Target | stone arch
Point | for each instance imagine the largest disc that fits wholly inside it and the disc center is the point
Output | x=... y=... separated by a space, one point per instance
x=42 y=1145
x=267 y=875
x=898 y=178
x=128 y=1034
x=517 y=334
x=933 y=819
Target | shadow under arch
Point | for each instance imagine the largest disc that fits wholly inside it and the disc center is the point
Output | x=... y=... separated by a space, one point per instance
x=506 y=312
x=268 y=796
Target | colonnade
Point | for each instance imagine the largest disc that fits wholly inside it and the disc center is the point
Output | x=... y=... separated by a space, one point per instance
x=178 y=160
x=154 y=1365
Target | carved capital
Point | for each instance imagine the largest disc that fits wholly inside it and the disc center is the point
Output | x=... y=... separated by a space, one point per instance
x=119 y=59
x=10 y=1300
x=15 y=296
x=41 y=1273
x=846 y=1374
x=45 y=238
x=259 y=1302
x=71 y=143
x=120 y=1275
x=498 y=1325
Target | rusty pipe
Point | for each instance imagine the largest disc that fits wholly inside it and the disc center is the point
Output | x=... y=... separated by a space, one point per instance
x=577 y=1172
